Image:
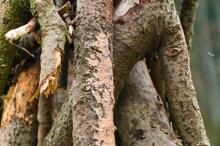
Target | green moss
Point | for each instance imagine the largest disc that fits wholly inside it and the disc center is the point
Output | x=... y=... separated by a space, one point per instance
x=14 y=13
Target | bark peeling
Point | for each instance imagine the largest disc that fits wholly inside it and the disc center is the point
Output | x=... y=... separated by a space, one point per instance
x=133 y=37
x=53 y=41
x=140 y=30
x=19 y=119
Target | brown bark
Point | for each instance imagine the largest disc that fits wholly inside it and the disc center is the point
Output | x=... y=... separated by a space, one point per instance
x=187 y=17
x=180 y=90
x=140 y=30
x=53 y=41
x=44 y=118
x=154 y=65
x=47 y=113
x=48 y=107
x=19 y=120
x=128 y=49
x=140 y=116
x=92 y=87
x=61 y=134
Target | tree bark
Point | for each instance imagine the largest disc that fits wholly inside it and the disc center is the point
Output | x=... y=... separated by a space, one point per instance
x=48 y=107
x=141 y=29
x=53 y=42
x=127 y=51
x=13 y=14
x=140 y=116
x=187 y=17
x=61 y=133
x=180 y=90
x=92 y=87
x=19 y=120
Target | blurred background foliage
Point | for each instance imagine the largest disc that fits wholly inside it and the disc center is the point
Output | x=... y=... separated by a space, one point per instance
x=205 y=65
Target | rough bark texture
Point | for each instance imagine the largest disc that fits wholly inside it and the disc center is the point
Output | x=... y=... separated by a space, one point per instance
x=53 y=41
x=18 y=133
x=61 y=132
x=47 y=115
x=92 y=87
x=19 y=120
x=47 y=110
x=48 y=107
x=180 y=90
x=154 y=66
x=140 y=116
x=140 y=30
x=44 y=118
x=123 y=62
x=187 y=17
x=59 y=135
x=13 y=14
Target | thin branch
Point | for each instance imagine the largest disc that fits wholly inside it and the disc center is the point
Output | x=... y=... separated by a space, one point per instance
x=187 y=17
x=17 y=33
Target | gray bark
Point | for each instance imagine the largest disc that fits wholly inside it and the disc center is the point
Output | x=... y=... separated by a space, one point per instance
x=140 y=115
x=17 y=133
x=53 y=42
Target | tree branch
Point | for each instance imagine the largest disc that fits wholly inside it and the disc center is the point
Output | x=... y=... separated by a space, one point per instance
x=53 y=41
x=140 y=115
x=187 y=17
x=180 y=90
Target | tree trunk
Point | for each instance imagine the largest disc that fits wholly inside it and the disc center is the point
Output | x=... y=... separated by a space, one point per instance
x=180 y=90
x=138 y=30
x=19 y=120
x=92 y=87
x=127 y=51
x=140 y=116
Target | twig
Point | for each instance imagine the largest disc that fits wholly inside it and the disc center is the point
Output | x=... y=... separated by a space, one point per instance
x=22 y=48
x=17 y=33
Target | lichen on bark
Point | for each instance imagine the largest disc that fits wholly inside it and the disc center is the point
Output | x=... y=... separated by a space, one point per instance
x=53 y=42
x=180 y=89
x=92 y=87
x=146 y=27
